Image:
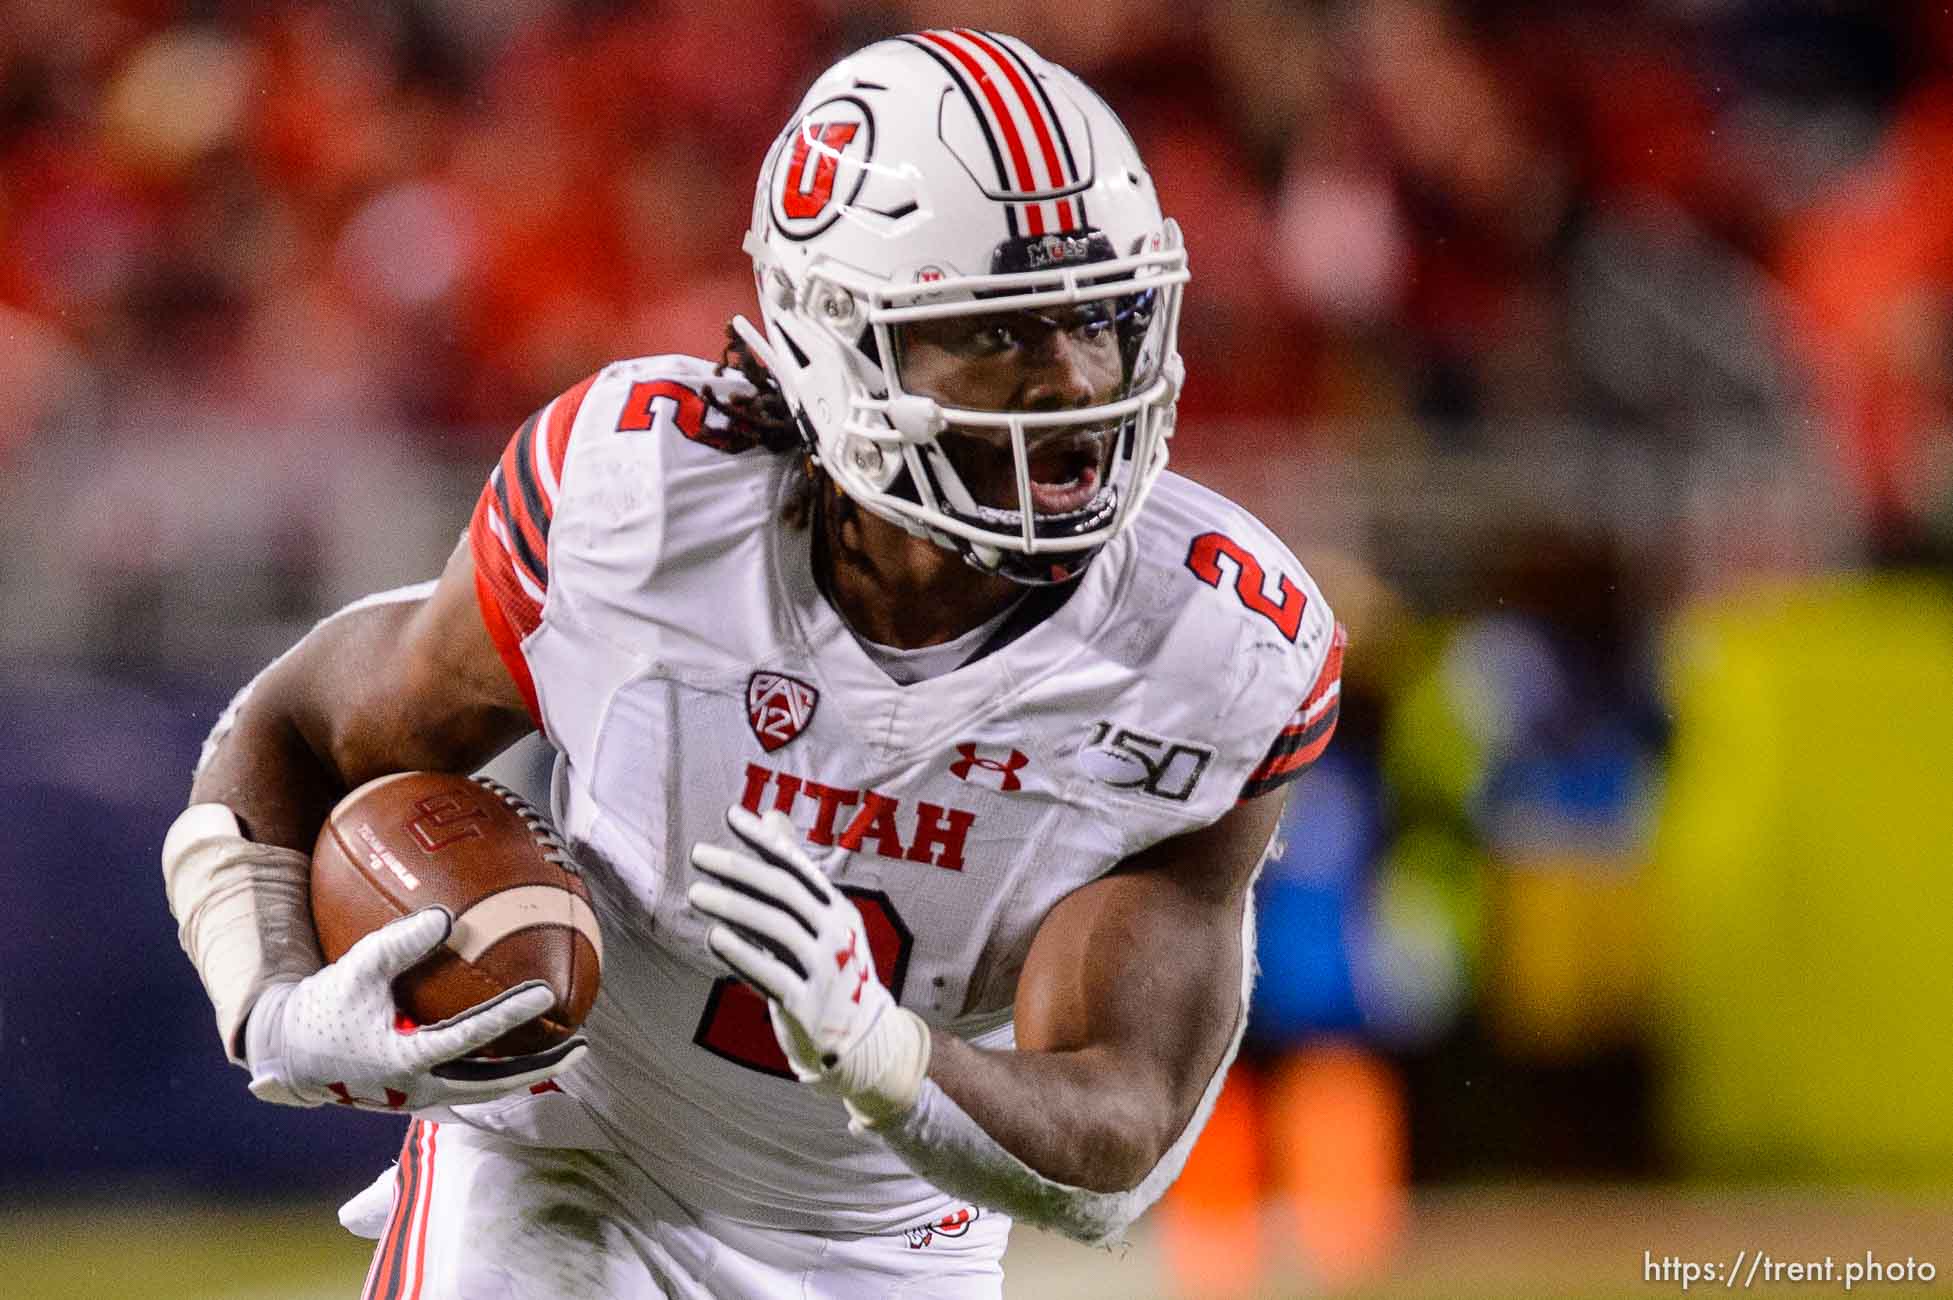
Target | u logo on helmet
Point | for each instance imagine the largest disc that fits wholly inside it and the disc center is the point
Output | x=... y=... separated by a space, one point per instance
x=821 y=166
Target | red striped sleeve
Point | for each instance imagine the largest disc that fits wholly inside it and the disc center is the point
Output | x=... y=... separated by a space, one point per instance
x=508 y=642
x=523 y=508
x=509 y=533
x=562 y=415
x=1306 y=735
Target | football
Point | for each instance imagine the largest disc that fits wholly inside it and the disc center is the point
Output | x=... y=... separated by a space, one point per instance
x=521 y=912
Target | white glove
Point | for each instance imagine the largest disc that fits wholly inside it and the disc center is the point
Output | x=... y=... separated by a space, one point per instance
x=800 y=943
x=337 y=1036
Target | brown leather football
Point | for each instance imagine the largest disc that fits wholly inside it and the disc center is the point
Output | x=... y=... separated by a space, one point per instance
x=471 y=845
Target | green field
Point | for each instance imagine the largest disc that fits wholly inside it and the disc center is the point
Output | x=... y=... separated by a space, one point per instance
x=1513 y=1244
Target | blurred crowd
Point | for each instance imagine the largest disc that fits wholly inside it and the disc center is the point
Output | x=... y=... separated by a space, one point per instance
x=1413 y=222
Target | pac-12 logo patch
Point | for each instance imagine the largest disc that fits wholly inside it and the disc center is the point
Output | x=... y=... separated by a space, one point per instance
x=779 y=708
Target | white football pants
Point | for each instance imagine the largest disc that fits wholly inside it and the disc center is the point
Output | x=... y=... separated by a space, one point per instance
x=468 y=1216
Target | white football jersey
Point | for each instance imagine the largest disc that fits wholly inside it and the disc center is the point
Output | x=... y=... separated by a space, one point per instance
x=663 y=619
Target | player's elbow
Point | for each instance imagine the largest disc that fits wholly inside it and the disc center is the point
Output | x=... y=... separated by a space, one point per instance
x=1123 y=1166
x=1128 y=1150
x=1110 y=1190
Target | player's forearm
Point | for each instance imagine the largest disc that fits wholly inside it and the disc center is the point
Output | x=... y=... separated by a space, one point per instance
x=1063 y=1140
x=1116 y=1048
x=236 y=864
x=1074 y=1117
x=1121 y=1058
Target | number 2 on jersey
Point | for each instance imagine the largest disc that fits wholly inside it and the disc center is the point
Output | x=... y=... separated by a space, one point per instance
x=1204 y=558
x=735 y=1024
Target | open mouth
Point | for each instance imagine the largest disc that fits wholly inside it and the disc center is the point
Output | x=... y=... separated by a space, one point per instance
x=1065 y=474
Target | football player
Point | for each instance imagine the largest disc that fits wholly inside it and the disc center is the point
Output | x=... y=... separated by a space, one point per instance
x=919 y=735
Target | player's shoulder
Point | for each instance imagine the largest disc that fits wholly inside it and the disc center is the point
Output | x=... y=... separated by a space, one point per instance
x=1222 y=587
x=640 y=468
x=655 y=442
x=672 y=407
x=1224 y=656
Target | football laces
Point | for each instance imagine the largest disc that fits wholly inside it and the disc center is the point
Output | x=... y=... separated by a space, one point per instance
x=554 y=850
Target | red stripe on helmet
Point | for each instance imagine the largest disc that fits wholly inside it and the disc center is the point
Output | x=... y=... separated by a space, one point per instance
x=1013 y=140
x=1032 y=110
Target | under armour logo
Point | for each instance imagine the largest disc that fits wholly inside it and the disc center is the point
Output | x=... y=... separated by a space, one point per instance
x=847 y=955
x=395 y=1098
x=1005 y=768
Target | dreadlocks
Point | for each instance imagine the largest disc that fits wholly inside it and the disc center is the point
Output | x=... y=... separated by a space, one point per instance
x=763 y=419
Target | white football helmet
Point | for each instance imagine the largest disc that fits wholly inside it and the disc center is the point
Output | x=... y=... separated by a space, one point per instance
x=971 y=299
